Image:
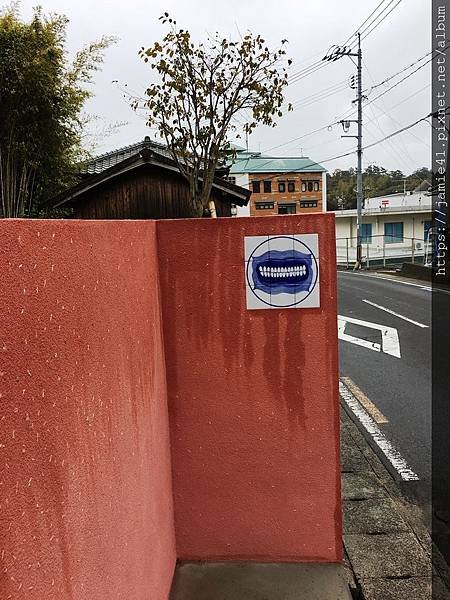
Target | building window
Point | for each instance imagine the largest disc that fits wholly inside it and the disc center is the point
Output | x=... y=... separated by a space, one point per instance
x=316 y=186
x=264 y=205
x=268 y=187
x=287 y=209
x=427 y=225
x=393 y=233
x=256 y=186
x=303 y=186
x=282 y=186
x=366 y=233
x=308 y=203
x=310 y=186
x=231 y=179
x=291 y=186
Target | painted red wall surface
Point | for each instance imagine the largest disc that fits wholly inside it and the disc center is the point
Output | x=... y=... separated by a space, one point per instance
x=253 y=399
x=85 y=483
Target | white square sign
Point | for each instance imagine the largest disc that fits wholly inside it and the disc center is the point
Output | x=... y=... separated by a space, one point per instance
x=282 y=271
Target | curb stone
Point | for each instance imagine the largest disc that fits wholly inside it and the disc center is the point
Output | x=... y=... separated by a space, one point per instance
x=388 y=549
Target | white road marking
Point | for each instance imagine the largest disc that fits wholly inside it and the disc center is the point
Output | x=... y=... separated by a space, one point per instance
x=389 y=335
x=388 y=310
x=354 y=340
x=374 y=412
x=417 y=285
x=391 y=453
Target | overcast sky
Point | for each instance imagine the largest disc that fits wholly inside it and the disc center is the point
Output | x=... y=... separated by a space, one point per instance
x=311 y=27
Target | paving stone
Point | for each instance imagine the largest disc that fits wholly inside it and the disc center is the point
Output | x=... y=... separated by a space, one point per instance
x=374 y=515
x=352 y=459
x=259 y=581
x=361 y=485
x=398 y=589
x=387 y=555
x=355 y=437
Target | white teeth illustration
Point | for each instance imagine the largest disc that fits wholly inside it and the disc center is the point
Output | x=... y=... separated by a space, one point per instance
x=283 y=272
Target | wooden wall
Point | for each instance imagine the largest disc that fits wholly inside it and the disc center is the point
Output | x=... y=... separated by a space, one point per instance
x=144 y=193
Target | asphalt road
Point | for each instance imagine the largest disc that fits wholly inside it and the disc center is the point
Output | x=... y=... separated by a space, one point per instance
x=399 y=387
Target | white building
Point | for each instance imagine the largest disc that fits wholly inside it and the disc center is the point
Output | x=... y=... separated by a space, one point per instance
x=393 y=227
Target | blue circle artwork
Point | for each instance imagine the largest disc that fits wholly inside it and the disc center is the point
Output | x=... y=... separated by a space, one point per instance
x=283 y=277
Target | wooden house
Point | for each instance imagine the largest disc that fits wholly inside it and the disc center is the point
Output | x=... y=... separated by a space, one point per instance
x=141 y=181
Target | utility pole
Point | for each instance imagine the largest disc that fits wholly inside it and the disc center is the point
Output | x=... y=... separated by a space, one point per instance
x=359 y=185
x=335 y=53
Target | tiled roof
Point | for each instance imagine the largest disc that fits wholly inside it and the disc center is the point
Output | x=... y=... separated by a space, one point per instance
x=259 y=163
x=111 y=165
x=109 y=159
x=245 y=162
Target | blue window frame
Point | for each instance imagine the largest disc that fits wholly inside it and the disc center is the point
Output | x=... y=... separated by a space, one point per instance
x=427 y=225
x=366 y=233
x=393 y=233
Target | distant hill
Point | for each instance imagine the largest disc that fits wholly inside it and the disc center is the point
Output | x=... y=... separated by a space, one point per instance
x=377 y=181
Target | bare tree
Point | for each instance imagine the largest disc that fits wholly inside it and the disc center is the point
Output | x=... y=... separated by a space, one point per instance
x=202 y=90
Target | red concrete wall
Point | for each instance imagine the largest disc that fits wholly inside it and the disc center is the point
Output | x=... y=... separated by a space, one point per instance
x=85 y=485
x=253 y=399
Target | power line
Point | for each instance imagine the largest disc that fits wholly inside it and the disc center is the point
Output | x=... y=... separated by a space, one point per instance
x=317 y=65
x=321 y=98
x=306 y=72
x=322 y=94
x=387 y=137
x=368 y=90
x=391 y=135
x=374 y=20
x=385 y=112
x=346 y=114
x=410 y=132
x=390 y=142
x=352 y=112
x=389 y=146
x=312 y=163
x=373 y=87
x=301 y=137
x=363 y=23
x=399 y=82
x=379 y=22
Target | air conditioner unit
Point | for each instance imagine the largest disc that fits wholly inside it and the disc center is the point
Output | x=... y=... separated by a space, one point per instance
x=418 y=245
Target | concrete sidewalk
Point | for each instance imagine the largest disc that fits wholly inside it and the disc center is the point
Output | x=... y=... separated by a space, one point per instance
x=259 y=581
x=387 y=545
x=388 y=549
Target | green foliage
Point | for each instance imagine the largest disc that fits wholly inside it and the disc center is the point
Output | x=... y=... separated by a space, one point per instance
x=41 y=102
x=377 y=181
x=202 y=88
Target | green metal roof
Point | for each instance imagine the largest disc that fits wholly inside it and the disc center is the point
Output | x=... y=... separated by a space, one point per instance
x=254 y=162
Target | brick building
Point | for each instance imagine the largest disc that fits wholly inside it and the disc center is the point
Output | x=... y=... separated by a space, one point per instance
x=279 y=185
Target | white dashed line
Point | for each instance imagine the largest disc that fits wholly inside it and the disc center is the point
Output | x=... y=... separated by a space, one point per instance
x=391 y=279
x=392 y=455
x=388 y=310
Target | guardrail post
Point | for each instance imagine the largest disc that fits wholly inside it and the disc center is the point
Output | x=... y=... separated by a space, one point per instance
x=384 y=251
x=412 y=250
x=367 y=259
x=346 y=243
